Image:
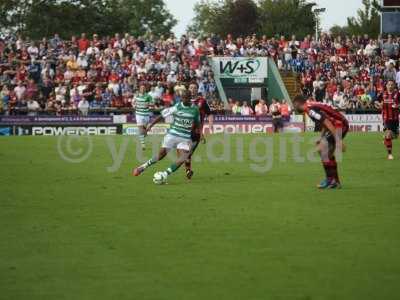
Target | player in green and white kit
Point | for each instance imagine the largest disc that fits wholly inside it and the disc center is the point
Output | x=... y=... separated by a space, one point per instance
x=143 y=103
x=186 y=121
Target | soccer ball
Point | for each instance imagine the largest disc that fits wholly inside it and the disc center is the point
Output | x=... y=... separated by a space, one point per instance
x=160 y=178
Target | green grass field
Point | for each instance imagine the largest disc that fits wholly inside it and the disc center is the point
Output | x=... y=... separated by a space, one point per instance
x=79 y=231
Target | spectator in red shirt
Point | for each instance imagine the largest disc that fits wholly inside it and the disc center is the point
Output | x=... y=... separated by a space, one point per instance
x=305 y=44
x=113 y=77
x=342 y=51
x=117 y=102
x=285 y=109
x=359 y=90
x=83 y=43
x=22 y=73
x=331 y=88
x=168 y=98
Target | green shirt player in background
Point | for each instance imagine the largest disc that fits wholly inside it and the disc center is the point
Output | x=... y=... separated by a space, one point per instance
x=143 y=103
x=186 y=121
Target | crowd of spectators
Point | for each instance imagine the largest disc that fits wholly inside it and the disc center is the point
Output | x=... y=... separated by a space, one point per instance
x=349 y=73
x=259 y=108
x=99 y=74
x=102 y=74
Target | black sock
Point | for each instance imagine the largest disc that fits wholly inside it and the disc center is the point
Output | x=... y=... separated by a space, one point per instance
x=326 y=169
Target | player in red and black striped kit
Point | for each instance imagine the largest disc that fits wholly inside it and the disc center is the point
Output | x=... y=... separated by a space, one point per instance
x=334 y=127
x=198 y=136
x=390 y=114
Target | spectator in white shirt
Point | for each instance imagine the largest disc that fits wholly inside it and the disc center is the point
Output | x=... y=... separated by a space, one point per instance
x=83 y=106
x=246 y=109
x=172 y=78
x=159 y=90
x=398 y=78
x=92 y=50
x=141 y=69
x=33 y=50
x=153 y=94
x=19 y=43
x=20 y=90
x=81 y=88
x=231 y=46
x=68 y=75
x=114 y=87
x=261 y=108
x=337 y=97
x=125 y=40
x=191 y=49
x=390 y=73
x=74 y=92
x=60 y=92
x=47 y=72
x=370 y=48
x=343 y=102
x=33 y=107
x=174 y=64
x=82 y=61
x=149 y=64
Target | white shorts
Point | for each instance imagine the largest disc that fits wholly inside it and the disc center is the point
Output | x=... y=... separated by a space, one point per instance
x=170 y=142
x=142 y=120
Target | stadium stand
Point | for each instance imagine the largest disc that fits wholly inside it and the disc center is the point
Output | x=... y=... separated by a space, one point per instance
x=100 y=75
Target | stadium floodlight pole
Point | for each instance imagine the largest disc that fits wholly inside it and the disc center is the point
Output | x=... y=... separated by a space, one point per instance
x=317 y=12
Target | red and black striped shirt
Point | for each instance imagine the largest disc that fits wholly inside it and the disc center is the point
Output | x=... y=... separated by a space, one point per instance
x=203 y=106
x=318 y=112
x=390 y=106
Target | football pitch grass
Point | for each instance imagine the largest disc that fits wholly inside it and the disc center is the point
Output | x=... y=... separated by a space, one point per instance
x=88 y=231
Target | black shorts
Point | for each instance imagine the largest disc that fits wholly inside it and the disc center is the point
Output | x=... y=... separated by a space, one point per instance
x=277 y=123
x=196 y=137
x=393 y=126
x=343 y=129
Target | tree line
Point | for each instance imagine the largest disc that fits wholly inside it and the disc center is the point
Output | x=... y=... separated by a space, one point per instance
x=276 y=17
x=38 y=18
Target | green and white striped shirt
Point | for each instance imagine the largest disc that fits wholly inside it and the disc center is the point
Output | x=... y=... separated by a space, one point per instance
x=143 y=103
x=184 y=119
